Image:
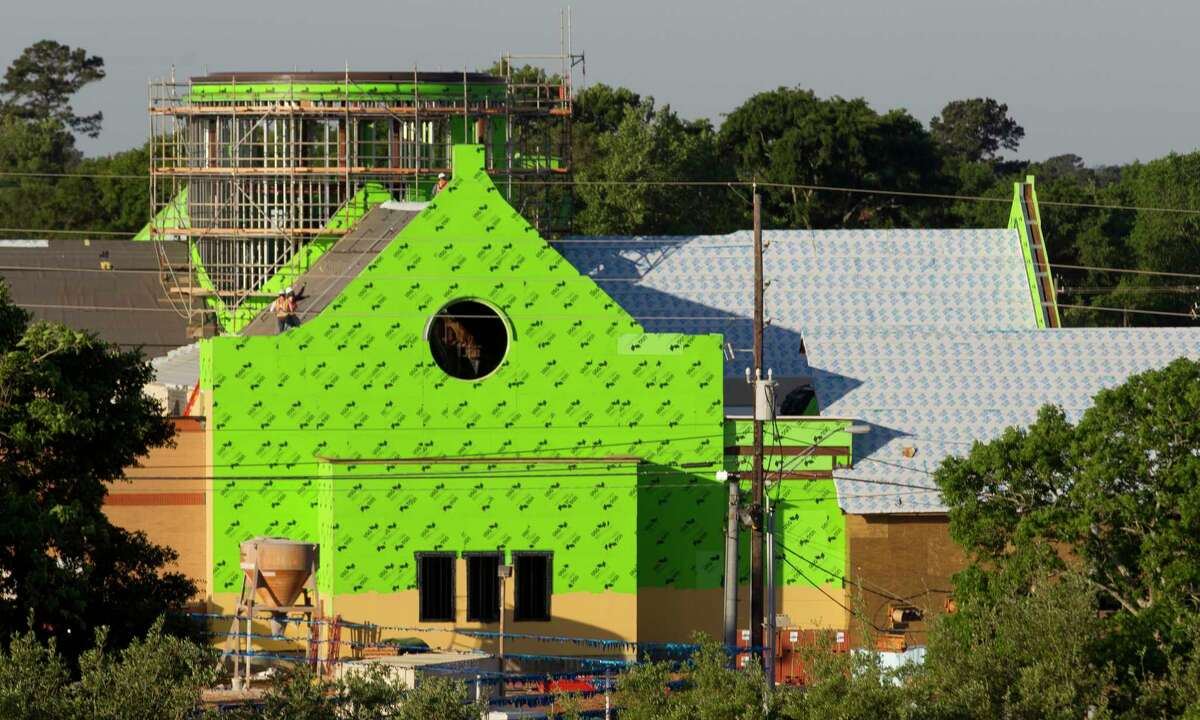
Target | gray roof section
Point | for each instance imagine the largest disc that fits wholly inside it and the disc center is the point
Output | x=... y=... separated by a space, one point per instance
x=63 y=281
x=180 y=366
x=928 y=335
x=862 y=279
x=938 y=392
x=334 y=270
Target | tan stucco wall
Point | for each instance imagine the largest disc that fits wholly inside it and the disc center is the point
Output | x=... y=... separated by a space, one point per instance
x=655 y=615
x=670 y=615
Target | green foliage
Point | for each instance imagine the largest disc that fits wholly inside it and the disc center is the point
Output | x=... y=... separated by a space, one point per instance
x=157 y=677
x=706 y=689
x=851 y=686
x=371 y=695
x=1029 y=654
x=36 y=137
x=39 y=84
x=973 y=130
x=437 y=697
x=296 y=695
x=72 y=416
x=1107 y=509
x=43 y=146
x=790 y=136
x=374 y=694
x=33 y=680
x=619 y=189
x=598 y=112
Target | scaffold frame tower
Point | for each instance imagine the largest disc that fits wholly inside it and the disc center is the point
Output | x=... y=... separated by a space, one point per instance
x=258 y=172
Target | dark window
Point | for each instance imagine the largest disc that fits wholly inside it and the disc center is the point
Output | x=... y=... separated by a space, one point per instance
x=483 y=586
x=468 y=339
x=534 y=583
x=435 y=584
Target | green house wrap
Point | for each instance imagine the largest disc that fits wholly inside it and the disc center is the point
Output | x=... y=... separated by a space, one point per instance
x=569 y=430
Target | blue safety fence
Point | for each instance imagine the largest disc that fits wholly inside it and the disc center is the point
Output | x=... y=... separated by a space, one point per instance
x=659 y=648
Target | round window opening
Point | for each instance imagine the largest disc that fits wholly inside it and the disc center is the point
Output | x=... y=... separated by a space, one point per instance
x=468 y=339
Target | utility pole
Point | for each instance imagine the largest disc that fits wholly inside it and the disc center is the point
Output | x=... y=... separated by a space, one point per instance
x=769 y=645
x=503 y=572
x=756 y=506
x=731 y=565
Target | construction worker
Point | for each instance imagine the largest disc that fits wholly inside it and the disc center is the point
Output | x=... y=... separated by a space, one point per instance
x=441 y=183
x=282 y=307
x=293 y=320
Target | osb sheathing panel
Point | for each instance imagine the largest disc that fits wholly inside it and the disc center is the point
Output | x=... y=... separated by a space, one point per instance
x=911 y=557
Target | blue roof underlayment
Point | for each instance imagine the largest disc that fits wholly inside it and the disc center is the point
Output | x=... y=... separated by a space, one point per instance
x=928 y=335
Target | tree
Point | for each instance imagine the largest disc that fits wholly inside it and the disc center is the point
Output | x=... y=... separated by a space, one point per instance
x=702 y=687
x=600 y=108
x=973 y=130
x=628 y=189
x=32 y=201
x=1163 y=241
x=40 y=82
x=72 y=415
x=1024 y=655
x=597 y=113
x=791 y=137
x=1111 y=501
x=155 y=677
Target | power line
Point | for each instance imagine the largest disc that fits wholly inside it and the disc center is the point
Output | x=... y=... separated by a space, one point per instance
x=1132 y=271
x=93 y=176
x=723 y=183
x=564 y=316
x=1094 y=268
x=120 y=234
x=804 y=576
x=1135 y=311
x=879 y=589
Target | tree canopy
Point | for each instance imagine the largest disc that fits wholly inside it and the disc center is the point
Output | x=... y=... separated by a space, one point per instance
x=627 y=188
x=790 y=136
x=1110 y=503
x=73 y=415
x=40 y=83
x=976 y=129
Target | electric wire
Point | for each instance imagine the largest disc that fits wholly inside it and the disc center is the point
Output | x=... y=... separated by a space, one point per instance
x=804 y=576
x=1091 y=268
x=565 y=316
x=731 y=184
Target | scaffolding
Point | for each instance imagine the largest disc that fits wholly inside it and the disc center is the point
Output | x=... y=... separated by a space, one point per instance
x=250 y=168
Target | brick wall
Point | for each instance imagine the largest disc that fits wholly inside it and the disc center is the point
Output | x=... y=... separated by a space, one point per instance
x=165 y=499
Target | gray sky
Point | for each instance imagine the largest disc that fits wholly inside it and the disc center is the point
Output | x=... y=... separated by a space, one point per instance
x=1110 y=80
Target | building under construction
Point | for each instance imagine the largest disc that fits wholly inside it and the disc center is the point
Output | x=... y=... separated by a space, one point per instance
x=261 y=172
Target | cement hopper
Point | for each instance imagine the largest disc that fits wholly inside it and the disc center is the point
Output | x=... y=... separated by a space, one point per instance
x=284 y=567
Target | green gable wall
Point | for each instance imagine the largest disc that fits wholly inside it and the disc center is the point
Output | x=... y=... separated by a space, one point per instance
x=581 y=380
x=1016 y=221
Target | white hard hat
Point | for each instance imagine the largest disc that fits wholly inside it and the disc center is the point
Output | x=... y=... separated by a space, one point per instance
x=441 y=176
x=288 y=290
